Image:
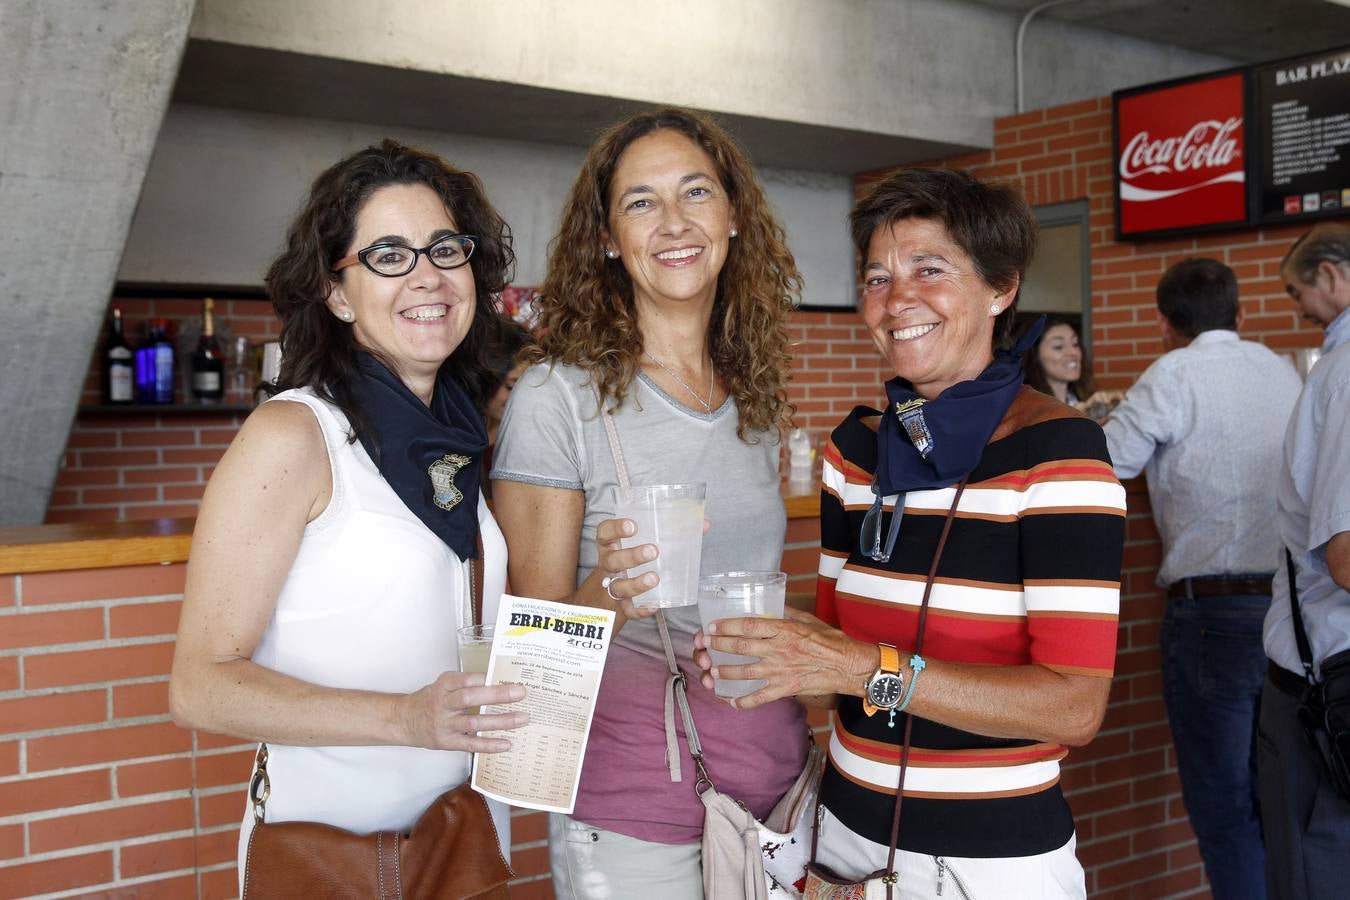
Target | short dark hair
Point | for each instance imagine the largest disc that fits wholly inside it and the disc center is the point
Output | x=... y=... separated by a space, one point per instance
x=318 y=350
x=991 y=223
x=1328 y=242
x=1198 y=295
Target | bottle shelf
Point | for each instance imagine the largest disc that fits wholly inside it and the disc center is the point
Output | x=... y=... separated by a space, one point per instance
x=166 y=409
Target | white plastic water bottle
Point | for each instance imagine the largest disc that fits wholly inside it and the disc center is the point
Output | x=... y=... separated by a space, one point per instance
x=799 y=455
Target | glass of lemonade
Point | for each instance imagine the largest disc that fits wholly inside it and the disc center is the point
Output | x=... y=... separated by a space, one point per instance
x=475 y=648
x=736 y=595
x=671 y=517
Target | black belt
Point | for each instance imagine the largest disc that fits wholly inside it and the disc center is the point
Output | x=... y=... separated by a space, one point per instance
x=1288 y=683
x=1218 y=586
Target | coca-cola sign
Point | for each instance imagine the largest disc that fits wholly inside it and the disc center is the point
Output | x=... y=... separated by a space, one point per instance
x=1181 y=156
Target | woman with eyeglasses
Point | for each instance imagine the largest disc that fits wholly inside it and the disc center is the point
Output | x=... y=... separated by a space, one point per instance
x=1019 y=631
x=667 y=294
x=328 y=571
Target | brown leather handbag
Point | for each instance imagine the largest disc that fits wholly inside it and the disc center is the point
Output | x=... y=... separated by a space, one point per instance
x=452 y=851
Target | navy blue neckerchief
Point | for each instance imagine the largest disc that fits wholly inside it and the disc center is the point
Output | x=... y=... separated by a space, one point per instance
x=925 y=444
x=431 y=456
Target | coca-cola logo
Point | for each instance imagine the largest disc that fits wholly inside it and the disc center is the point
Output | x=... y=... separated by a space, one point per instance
x=1181 y=155
x=1207 y=145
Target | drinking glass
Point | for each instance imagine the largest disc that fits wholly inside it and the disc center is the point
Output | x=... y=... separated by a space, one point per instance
x=735 y=595
x=475 y=648
x=671 y=517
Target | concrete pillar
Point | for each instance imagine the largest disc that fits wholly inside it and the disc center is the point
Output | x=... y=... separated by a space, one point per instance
x=83 y=89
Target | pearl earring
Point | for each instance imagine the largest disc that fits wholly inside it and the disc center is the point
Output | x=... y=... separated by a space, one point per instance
x=612 y=254
x=346 y=315
x=994 y=308
x=733 y=232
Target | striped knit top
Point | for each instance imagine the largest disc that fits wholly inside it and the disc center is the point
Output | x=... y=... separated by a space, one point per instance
x=1030 y=575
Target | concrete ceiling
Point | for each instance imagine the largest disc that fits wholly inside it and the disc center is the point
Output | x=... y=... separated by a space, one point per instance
x=285 y=83
x=1244 y=30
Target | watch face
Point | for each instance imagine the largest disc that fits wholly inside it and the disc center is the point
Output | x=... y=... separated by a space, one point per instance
x=885 y=690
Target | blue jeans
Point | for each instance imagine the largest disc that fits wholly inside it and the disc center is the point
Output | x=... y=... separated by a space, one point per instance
x=1213 y=667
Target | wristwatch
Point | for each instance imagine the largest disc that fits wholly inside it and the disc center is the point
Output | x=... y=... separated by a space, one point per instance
x=886 y=686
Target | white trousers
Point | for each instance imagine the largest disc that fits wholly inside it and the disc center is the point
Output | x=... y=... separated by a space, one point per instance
x=1056 y=874
x=591 y=863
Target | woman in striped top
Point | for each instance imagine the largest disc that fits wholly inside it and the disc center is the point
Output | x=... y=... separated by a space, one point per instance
x=1020 y=635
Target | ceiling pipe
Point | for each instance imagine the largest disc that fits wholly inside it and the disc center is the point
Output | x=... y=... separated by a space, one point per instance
x=1021 y=34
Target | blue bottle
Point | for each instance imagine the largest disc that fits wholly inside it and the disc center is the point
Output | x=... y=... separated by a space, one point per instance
x=144 y=361
x=163 y=365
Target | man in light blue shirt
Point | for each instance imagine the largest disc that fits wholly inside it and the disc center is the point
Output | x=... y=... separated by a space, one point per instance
x=1307 y=824
x=1205 y=421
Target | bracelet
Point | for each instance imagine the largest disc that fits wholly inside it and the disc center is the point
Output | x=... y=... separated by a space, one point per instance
x=916 y=665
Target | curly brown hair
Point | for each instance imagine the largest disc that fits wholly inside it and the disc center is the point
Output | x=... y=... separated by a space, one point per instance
x=319 y=351
x=587 y=316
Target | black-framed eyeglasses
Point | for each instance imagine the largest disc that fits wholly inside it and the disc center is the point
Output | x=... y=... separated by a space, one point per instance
x=393 y=260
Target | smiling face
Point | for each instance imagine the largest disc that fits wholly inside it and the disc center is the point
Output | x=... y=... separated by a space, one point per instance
x=929 y=311
x=669 y=219
x=1060 y=355
x=414 y=321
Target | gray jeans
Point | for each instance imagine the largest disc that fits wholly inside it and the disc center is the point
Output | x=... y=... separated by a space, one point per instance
x=591 y=863
x=1306 y=823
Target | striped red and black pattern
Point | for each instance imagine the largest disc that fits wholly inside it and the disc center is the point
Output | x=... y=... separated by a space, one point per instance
x=1030 y=575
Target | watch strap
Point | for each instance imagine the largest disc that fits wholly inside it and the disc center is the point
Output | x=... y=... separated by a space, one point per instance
x=890 y=665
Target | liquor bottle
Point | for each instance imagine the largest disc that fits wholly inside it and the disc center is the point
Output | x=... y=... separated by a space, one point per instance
x=163 y=350
x=208 y=360
x=145 y=365
x=118 y=370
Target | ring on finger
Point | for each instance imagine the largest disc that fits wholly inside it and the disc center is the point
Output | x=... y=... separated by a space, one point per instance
x=605 y=583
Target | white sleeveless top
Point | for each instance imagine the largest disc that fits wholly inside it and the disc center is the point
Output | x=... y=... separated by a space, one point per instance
x=372 y=602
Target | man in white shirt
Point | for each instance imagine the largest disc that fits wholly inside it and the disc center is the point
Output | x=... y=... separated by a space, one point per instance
x=1205 y=421
x=1307 y=823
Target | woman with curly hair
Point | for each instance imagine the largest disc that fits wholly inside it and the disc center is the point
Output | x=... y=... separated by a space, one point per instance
x=668 y=289
x=292 y=633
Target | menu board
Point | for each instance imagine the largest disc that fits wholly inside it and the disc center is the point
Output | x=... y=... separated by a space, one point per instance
x=1303 y=111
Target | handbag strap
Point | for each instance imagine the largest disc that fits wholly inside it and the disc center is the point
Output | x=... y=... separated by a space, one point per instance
x=676 y=694
x=260 y=785
x=1300 y=630
x=909 y=718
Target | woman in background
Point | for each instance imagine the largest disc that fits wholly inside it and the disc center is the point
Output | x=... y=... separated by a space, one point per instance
x=1057 y=365
x=667 y=294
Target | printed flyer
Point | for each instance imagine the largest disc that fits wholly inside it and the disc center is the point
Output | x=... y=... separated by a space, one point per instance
x=557 y=652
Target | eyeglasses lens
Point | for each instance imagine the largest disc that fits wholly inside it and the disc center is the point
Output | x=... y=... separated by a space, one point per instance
x=451 y=252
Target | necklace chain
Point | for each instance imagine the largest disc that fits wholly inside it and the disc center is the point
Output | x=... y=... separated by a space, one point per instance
x=706 y=404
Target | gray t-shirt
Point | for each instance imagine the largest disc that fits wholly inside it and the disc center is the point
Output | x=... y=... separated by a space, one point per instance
x=552 y=435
